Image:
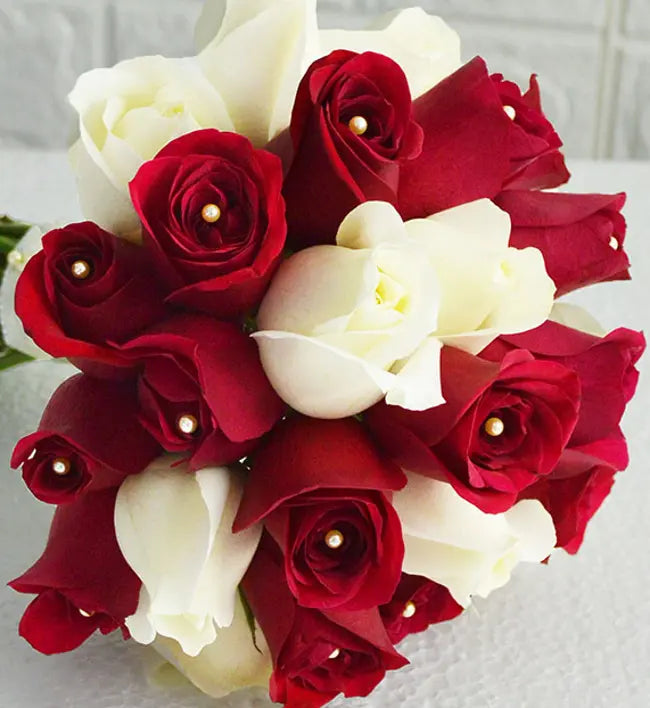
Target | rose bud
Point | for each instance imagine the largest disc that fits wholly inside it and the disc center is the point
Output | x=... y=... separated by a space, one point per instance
x=352 y=129
x=84 y=292
x=417 y=604
x=580 y=235
x=315 y=655
x=320 y=488
x=503 y=426
x=214 y=220
x=89 y=439
x=202 y=390
x=82 y=582
x=535 y=159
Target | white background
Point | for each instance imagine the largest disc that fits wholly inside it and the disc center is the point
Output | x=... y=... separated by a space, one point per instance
x=593 y=57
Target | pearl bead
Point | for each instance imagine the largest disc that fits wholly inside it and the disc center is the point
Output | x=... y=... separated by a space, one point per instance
x=335 y=654
x=80 y=270
x=61 y=466
x=409 y=610
x=494 y=427
x=211 y=213
x=358 y=125
x=188 y=424
x=15 y=260
x=613 y=243
x=334 y=539
x=85 y=614
x=510 y=112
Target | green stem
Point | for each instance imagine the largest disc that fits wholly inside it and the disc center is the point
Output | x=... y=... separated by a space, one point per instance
x=11 y=357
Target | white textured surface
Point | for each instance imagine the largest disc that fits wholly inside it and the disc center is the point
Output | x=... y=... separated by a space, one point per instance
x=578 y=47
x=575 y=634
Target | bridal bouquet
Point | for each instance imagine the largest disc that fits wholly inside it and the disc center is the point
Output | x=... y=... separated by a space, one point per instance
x=326 y=393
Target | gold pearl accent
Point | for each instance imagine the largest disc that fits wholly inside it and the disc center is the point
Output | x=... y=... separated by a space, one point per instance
x=358 y=125
x=409 y=610
x=85 y=614
x=613 y=243
x=494 y=427
x=188 y=424
x=15 y=259
x=61 y=466
x=80 y=270
x=335 y=654
x=211 y=213
x=334 y=539
x=510 y=112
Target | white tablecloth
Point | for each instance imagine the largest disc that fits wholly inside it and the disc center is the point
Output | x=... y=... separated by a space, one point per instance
x=573 y=634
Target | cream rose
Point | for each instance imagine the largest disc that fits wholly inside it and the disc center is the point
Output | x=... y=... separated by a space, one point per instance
x=450 y=541
x=174 y=529
x=127 y=114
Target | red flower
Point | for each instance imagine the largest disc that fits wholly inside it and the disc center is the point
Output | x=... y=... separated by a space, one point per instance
x=320 y=487
x=504 y=425
x=315 y=655
x=417 y=604
x=85 y=291
x=351 y=129
x=535 y=159
x=202 y=389
x=89 y=439
x=82 y=581
x=213 y=218
x=580 y=235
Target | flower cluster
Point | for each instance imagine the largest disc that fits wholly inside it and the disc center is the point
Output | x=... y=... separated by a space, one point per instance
x=326 y=393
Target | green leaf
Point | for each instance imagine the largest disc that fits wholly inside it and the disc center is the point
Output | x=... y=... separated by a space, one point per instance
x=13 y=229
x=250 y=620
x=11 y=357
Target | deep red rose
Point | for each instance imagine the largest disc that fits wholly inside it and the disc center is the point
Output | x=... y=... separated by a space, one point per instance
x=315 y=655
x=535 y=159
x=91 y=434
x=503 y=426
x=197 y=371
x=81 y=571
x=336 y=166
x=580 y=235
x=314 y=478
x=113 y=296
x=219 y=263
x=417 y=604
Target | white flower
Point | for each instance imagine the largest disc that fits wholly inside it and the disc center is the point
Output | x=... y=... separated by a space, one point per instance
x=343 y=326
x=127 y=114
x=174 y=529
x=273 y=42
x=232 y=662
x=450 y=541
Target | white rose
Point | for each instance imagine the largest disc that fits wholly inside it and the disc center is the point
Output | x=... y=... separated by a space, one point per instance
x=232 y=662
x=127 y=114
x=256 y=52
x=343 y=326
x=450 y=541
x=174 y=529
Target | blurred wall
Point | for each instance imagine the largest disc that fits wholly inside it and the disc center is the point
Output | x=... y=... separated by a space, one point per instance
x=592 y=57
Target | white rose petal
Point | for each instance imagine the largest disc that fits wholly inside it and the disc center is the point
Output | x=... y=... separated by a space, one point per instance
x=127 y=114
x=174 y=529
x=575 y=316
x=450 y=541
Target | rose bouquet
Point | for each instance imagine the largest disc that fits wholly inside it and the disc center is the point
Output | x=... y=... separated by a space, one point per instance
x=327 y=395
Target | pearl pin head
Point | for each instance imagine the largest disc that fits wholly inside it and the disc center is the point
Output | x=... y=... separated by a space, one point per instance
x=510 y=112
x=409 y=610
x=358 y=125
x=61 y=466
x=494 y=427
x=613 y=243
x=188 y=424
x=85 y=614
x=334 y=539
x=335 y=654
x=80 y=270
x=211 y=213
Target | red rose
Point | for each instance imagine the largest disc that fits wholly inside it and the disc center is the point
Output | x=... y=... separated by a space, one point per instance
x=503 y=426
x=351 y=129
x=320 y=487
x=535 y=159
x=315 y=655
x=202 y=389
x=89 y=439
x=580 y=235
x=85 y=291
x=82 y=581
x=417 y=603
x=213 y=217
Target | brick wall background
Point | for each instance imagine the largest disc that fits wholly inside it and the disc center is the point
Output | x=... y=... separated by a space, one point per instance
x=592 y=56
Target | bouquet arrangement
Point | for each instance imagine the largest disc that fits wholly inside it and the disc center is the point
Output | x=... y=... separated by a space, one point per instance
x=326 y=394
